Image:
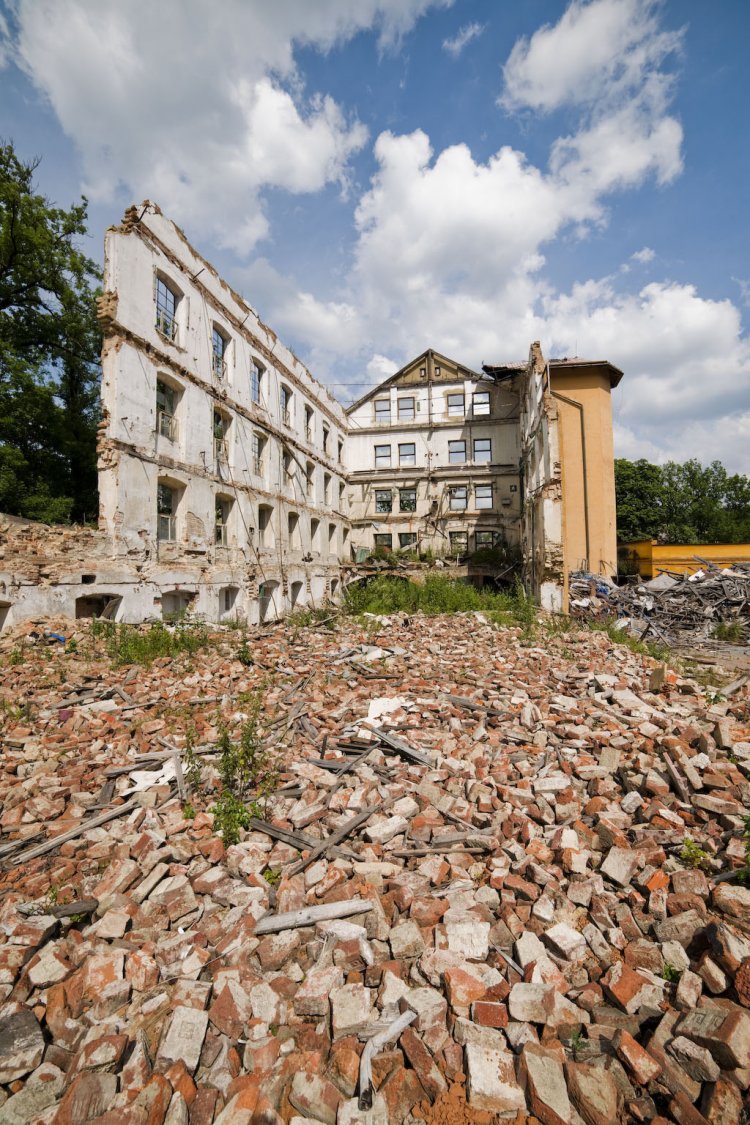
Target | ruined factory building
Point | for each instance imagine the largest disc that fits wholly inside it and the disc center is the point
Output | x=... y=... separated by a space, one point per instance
x=232 y=484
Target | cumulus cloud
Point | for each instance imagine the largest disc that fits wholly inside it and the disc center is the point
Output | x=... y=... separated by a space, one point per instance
x=597 y=52
x=644 y=256
x=199 y=112
x=462 y=38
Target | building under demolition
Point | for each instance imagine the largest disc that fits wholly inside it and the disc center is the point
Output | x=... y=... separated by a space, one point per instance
x=233 y=485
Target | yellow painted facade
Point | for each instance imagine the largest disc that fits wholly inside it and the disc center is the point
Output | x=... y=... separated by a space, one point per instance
x=583 y=396
x=654 y=558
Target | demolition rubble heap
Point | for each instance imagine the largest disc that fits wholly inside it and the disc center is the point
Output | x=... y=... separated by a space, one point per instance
x=679 y=608
x=469 y=898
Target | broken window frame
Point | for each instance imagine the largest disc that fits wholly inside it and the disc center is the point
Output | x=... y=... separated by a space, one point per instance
x=407 y=499
x=382 y=456
x=406 y=413
x=256 y=380
x=222 y=513
x=309 y=479
x=480 y=404
x=405 y=458
x=485 y=540
x=456 y=493
x=219 y=345
x=482 y=451
x=309 y=419
x=286 y=399
x=166 y=409
x=383 y=501
x=407 y=539
x=167 y=300
x=457 y=452
x=459 y=542
x=483 y=492
x=221 y=426
x=258 y=445
x=166 y=512
x=326 y=438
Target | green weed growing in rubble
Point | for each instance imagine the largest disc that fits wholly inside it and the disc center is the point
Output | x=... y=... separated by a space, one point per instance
x=134 y=644
x=244 y=765
x=190 y=761
x=670 y=972
x=188 y=811
x=692 y=855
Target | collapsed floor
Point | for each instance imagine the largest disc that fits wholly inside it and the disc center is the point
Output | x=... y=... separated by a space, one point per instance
x=500 y=826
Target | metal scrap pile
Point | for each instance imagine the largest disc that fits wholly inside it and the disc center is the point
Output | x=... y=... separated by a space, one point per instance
x=671 y=607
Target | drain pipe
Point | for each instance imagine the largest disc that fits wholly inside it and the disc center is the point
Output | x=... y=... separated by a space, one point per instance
x=579 y=407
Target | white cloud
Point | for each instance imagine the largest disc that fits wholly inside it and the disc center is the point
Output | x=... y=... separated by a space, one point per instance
x=201 y=113
x=462 y=38
x=595 y=52
x=643 y=256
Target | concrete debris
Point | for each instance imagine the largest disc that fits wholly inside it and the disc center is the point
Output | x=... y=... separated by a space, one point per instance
x=515 y=897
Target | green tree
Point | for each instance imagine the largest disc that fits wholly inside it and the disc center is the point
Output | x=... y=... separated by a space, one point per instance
x=681 y=503
x=49 y=353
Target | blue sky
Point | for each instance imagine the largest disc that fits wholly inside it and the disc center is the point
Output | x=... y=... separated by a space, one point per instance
x=382 y=176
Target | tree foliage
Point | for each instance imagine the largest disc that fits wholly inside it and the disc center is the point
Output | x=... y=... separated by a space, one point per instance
x=681 y=503
x=49 y=353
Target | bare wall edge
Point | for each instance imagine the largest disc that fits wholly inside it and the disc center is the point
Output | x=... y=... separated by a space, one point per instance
x=235 y=485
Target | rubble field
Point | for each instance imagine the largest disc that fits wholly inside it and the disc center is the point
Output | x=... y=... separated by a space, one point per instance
x=487 y=876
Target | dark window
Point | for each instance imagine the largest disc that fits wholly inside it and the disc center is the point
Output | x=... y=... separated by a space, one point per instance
x=407 y=499
x=383 y=540
x=166 y=309
x=407 y=538
x=256 y=375
x=218 y=353
x=484 y=539
x=383 y=501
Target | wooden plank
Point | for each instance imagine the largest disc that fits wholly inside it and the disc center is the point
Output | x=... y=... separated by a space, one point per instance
x=309 y=915
x=339 y=835
x=92 y=822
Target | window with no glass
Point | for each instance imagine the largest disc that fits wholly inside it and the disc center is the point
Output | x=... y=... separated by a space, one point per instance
x=166 y=405
x=219 y=344
x=167 y=300
x=256 y=376
x=407 y=538
x=383 y=501
x=166 y=506
x=458 y=498
x=484 y=539
x=308 y=423
x=483 y=496
x=406 y=409
x=455 y=405
x=285 y=400
x=221 y=520
x=382 y=456
x=407 y=453
x=258 y=445
x=481 y=402
x=482 y=449
x=407 y=500
x=459 y=541
x=456 y=452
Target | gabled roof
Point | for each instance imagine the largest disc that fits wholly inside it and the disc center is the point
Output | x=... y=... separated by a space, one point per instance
x=430 y=353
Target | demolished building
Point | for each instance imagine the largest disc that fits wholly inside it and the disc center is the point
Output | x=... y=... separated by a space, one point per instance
x=235 y=486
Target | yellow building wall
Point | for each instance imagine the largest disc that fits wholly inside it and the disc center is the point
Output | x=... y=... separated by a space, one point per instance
x=587 y=469
x=655 y=558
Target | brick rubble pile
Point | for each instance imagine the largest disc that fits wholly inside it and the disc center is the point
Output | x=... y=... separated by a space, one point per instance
x=486 y=835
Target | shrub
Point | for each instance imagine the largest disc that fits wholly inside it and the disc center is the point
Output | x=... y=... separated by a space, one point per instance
x=134 y=644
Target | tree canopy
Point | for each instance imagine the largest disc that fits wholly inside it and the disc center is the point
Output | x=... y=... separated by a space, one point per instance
x=50 y=345
x=681 y=503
